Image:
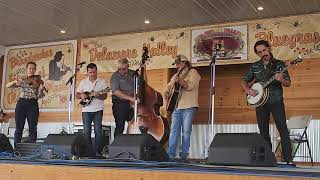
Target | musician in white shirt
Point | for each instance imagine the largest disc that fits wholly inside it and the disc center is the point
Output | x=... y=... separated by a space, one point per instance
x=93 y=112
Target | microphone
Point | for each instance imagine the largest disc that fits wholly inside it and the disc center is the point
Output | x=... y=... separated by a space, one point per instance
x=82 y=63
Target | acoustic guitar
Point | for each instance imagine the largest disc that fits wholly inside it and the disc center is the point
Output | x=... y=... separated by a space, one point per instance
x=174 y=93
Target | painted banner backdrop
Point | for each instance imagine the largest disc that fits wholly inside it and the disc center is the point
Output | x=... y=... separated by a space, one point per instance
x=163 y=47
x=288 y=36
x=225 y=43
x=55 y=64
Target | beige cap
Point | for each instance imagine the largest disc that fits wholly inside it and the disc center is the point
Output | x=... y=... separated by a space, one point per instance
x=179 y=59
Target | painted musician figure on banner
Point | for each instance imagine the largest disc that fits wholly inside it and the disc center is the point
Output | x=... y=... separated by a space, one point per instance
x=259 y=72
x=93 y=111
x=31 y=89
x=182 y=93
x=56 y=68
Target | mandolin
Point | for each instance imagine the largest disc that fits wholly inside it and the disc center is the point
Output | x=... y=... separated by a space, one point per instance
x=90 y=95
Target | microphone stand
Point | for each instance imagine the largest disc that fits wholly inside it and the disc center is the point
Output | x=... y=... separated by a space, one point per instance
x=211 y=107
x=70 y=82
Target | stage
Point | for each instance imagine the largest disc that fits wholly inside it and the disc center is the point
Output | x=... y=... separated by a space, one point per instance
x=116 y=169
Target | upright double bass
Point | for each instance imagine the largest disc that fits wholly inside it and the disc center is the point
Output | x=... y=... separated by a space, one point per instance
x=149 y=102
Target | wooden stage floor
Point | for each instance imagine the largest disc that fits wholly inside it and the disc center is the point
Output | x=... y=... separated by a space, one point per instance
x=17 y=169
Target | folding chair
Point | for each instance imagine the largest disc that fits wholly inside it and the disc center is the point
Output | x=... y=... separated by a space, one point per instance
x=297 y=126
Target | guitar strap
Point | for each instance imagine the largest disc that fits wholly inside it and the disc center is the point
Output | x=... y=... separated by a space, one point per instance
x=95 y=83
x=182 y=77
x=185 y=74
x=273 y=67
x=269 y=72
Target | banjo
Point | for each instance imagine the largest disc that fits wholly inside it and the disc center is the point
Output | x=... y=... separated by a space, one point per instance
x=262 y=90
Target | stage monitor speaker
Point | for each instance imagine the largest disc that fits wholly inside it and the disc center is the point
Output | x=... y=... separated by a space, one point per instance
x=249 y=149
x=26 y=149
x=5 y=144
x=75 y=144
x=137 y=146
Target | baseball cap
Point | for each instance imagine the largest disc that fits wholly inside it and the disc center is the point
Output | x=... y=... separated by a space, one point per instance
x=179 y=58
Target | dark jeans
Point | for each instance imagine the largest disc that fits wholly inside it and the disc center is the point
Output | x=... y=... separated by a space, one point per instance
x=26 y=108
x=96 y=118
x=278 y=112
x=122 y=112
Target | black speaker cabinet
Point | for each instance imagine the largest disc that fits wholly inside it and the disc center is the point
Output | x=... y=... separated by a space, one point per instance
x=106 y=133
x=5 y=144
x=249 y=149
x=76 y=144
x=26 y=149
x=137 y=146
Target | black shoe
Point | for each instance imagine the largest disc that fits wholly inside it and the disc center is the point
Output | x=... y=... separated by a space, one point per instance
x=291 y=164
x=183 y=159
x=98 y=156
x=286 y=164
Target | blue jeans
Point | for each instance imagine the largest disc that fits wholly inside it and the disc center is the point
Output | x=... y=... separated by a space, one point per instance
x=96 y=118
x=181 y=118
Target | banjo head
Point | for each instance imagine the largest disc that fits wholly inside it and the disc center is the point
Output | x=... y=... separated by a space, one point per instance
x=254 y=100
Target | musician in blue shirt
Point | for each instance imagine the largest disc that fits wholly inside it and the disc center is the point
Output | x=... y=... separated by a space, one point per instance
x=260 y=72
